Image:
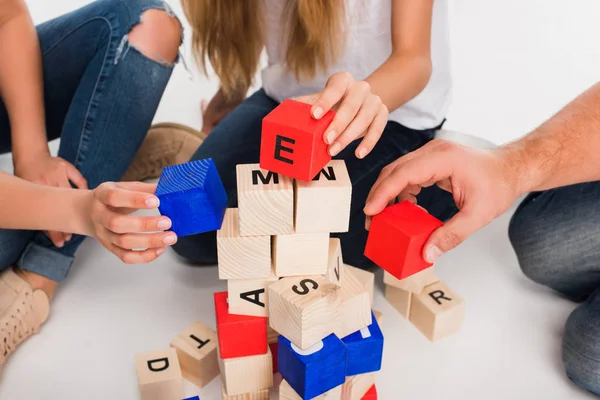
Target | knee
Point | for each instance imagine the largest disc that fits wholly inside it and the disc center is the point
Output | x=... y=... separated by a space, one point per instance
x=157 y=36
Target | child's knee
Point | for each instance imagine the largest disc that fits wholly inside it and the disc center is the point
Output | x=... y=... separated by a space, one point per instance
x=157 y=36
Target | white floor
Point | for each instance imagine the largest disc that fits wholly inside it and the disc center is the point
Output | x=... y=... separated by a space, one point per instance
x=515 y=63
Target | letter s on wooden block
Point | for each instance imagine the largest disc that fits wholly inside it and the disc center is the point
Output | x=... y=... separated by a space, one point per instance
x=197 y=352
x=397 y=236
x=292 y=141
x=159 y=375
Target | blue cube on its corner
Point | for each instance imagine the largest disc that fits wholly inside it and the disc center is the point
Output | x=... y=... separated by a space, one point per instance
x=365 y=349
x=313 y=371
x=192 y=196
x=193 y=398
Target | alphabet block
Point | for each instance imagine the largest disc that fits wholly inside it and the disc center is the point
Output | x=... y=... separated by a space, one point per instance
x=365 y=277
x=247 y=374
x=414 y=283
x=397 y=236
x=265 y=201
x=242 y=257
x=371 y=394
x=292 y=141
x=315 y=370
x=159 y=375
x=287 y=393
x=249 y=297
x=357 y=386
x=301 y=254
x=192 y=196
x=197 y=353
x=323 y=204
x=304 y=309
x=239 y=335
x=355 y=309
x=365 y=349
x=400 y=299
x=335 y=264
x=260 y=395
x=437 y=311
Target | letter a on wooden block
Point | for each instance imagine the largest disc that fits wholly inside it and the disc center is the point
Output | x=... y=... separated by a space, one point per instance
x=249 y=297
x=304 y=309
x=365 y=349
x=365 y=277
x=197 y=352
x=357 y=386
x=260 y=395
x=371 y=394
x=414 y=283
x=437 y=311
x=239 y=335
x=287 y=393
x=355 y=309
x=301 y=254
x=242 y=257
x=292 y=141
x=159 y=375
x=265 y=201
x=397 y=236
x=400 y=299
x=316 y=370
x=247 y=374
x=335 y=265
x=323 y=204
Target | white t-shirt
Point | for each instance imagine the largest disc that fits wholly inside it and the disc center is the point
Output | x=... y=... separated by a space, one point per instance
x=368 y=45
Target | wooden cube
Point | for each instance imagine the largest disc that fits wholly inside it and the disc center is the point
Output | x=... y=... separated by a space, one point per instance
x=247 y=374
x=239 y=335
x=242 y=257
x=316 y=370
x=399 y=299
x=323 y=204
x=365 y=277
x=249 y=297
x=397 y=236
x=159 y=375
x=304 y=309
x=287 y=393
x=292 y=141
x=355 y=308
x=357 y=386
x=301 y=254
x=335 y=264
x=365 y=349
x=371 y=394
x=260 y=395
x=192 y=195
x=197 y=353
x=437 y=311
x=414 y=283
x=265 y=201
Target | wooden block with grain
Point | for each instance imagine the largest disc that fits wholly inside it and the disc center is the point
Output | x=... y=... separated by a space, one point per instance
x=259 y=395
x=335 y=264
x=197 y=353
x=414 y=283
x=287 y=393
x=400 y=299
x=265 y=200
x=301 y=254
x=355 y=308
x=249 y=296
x=247 y=374
x=159 y=375
x=367 y=278
x=357 y=386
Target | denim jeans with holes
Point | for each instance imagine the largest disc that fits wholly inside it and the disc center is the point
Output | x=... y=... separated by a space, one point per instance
x=100 y=96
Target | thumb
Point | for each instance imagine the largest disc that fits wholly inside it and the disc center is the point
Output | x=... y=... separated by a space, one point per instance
x=450 y=235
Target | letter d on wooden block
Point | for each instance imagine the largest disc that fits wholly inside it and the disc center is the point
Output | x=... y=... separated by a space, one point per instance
x=437 y=311
x=287 y=393
x=159 y=375
x=197 y=352
x=365 y=349
x=292 y=141
x=397 y=236
x=192 y=196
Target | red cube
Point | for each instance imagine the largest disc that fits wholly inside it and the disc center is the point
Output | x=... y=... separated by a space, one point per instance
x=371 y=394
x=292 y=141
x=239 y=335
x=397 y=236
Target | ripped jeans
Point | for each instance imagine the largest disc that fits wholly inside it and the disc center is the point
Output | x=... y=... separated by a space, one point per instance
x=100 y=96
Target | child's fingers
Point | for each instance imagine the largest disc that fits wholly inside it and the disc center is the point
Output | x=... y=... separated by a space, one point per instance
x=130 y=241
x=119 y=223
x=346 y=113
x=373 y=135
x=138 y=186
x=116 y=197
x=335 y=90
x=358 y=125
x=136 y=257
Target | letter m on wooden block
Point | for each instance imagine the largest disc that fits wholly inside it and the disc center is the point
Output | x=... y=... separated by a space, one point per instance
x=292 y=141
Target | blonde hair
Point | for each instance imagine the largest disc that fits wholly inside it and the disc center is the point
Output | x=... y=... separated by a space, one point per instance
x=230 y=35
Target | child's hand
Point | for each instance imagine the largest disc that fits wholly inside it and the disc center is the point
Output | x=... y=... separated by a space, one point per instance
x=359 y=113
x=134 y=239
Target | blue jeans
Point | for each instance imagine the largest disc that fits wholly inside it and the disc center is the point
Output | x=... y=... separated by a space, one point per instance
x=556 y=235
x=100 y=97
x=236 y=140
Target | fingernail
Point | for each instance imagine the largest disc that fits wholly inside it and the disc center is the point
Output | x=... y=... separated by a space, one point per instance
x=331 y=136
x=152 y=202
x=318 y=112
x=335 y=149
x=60 y=244
x=164 y=223
x=68 y=238
x=368 y=223
x=362 y=153
x=170 y=239
x=432 y=254
x=160 y=251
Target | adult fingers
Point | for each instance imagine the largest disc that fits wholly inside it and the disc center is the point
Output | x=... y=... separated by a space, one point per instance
x=76 y=177
x=335 y=89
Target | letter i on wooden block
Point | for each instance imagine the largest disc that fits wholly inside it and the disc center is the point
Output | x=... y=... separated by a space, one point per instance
x=323 y=204
x=192 y=196
x=301 y=254
x=355 y=308
x=239 y=335
x=197 y=352
x=335 y=264
x=437 y=311
x=397 y=236
x=357 y=386
x=365 y=349
x=159 y=375
x=292 y=141
x=400 y=299
x=287 y=393
x=365 y=277
x=265 y=200
x=414 y=283
x=316 y=370
x=247 y=374
x=249 y=296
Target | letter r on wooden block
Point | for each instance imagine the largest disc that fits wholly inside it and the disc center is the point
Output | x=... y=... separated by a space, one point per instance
x=365 y=349
x=159 y=375
x=397 y=236
x=292 y=141
x=197 y=352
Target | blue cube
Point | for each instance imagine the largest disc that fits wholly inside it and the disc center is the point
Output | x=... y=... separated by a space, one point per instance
x=365 y=349
x=313 y=371
x=192 y=196
x=193 y=398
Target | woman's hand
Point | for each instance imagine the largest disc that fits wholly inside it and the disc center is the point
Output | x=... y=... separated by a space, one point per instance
x=218 y=108
x=104 y=213
x=359 y=113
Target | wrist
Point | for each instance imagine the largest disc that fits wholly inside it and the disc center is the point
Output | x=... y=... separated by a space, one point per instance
x=29 y=155
x=80 y=201
x=528 y=168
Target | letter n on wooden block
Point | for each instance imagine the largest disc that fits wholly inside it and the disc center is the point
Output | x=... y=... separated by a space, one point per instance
x=357 y=386
x=301 y=254
x=304 y=309
x=265 y=200
x=287 y=393
x=242 y=257
x=316 y=370
x=355 y=309
x=239 y=335
x=437 y=311
x=292 y=141
x=192 y=196
x=397 y=236
x=197 y=352
x=414 y=283
x=335 y=264
x=260 y=395
x=400 y=299
x=247 y=374
x=323 y=204
x=159 y=375
x=365 y=277
x=249 y=297
x=365 y=349
x=371 y=394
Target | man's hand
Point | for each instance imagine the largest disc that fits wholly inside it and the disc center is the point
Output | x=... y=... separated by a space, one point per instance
x=484 y=183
